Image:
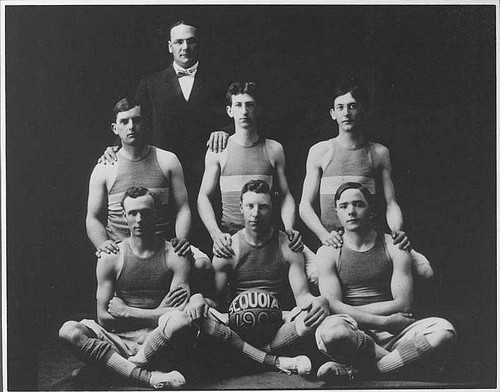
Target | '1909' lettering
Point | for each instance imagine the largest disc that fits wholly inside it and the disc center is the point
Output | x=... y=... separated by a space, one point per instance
x=250 y=319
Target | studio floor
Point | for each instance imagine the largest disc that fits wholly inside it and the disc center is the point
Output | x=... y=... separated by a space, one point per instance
x=470 y=367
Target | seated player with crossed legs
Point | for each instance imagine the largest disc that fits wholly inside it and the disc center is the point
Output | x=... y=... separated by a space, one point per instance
x=141 y=291
x=263 y=261
x=368 y=283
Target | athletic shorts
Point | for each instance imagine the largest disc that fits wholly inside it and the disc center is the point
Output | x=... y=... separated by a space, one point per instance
x=387 y=340
x=126 y=343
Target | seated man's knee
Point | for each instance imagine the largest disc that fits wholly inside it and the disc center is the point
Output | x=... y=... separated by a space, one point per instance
x=173 y=322
x=203 y=264
x=72 y=333
x=335 y=330
x=440 y=332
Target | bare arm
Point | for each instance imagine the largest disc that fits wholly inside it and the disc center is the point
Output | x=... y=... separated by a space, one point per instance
x=316 y=308
x=287 y=202
x=172 y=169
x=222 y=241
x=97 y=207
x=106 y=275
x=401 y=284
x=394 y=215
x=222 y=269
x=310 y=193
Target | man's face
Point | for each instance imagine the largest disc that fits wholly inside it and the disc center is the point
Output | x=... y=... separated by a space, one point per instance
x=243 y=110
x=183 y=45
x=129 y=126
x=140 y=215
x=346 y=111
x=353 y=210
x=257 y=211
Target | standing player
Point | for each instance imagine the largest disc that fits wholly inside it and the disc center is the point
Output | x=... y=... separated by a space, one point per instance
x=248 y=155
x=369 y=286
x=350 y=157
x=138 y=164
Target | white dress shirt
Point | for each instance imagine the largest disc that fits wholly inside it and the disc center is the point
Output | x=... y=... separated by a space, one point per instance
x=186 y=81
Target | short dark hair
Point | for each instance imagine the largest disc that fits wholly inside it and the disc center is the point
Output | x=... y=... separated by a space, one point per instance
x=257 y=186
x=353 y=86
x=236 y=88
x=353 y=185
x=137 y=191
x=123 y=105
x=186 y=22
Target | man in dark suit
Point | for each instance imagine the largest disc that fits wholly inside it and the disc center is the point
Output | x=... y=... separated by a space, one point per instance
x=183 y=101
x=183 y=104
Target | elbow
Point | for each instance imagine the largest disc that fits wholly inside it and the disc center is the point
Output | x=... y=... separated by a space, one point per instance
x=406 y=306
x=302 y=210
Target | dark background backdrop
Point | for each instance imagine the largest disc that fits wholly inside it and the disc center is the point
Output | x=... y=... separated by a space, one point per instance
x=431 y=72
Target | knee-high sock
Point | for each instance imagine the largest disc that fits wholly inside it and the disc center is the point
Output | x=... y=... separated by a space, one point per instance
x=155 y=343
x=225 y=334
x=404 y=354
x=100 y=353
x=285 y=336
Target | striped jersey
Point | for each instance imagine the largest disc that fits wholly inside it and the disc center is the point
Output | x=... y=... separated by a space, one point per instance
x=145 y=172
x=242 y=165
x=345 y=165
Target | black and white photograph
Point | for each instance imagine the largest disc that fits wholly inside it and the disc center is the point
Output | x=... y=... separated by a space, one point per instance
x=266 y=196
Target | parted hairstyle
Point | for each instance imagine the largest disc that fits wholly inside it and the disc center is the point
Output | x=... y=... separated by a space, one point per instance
x=353 y=86
x=124 y=104
x=353 y=185
x=257 y=186
x=236 y=88
x=137 y=191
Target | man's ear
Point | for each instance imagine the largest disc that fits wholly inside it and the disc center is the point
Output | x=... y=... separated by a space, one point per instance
x=332 y=114
x=113 y=128
x=170 y=50
x=229 y=111
x=241 y=207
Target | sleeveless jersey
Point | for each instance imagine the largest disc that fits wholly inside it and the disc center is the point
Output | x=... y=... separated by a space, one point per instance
x=262 y=268
x=345 y=165
x=143 y=281
x=365 y=277
x=243 y=164
x=147 y=173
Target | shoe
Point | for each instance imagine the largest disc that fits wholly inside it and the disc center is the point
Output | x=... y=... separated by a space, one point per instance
x=300 y=365
x=170 y=380
x=334 y=371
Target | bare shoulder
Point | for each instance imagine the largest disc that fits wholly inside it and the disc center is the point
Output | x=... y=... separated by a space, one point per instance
x=319 y=151
x=274 y=148
x=173 y=260
x=379 y=149
x=101 y=171
x=108 y=264
x=289 y=255
x=166 y=158
x=213 y=157
x=397 y=255
x=328 y=253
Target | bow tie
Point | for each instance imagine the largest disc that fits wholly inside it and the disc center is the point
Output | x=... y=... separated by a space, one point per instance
x=186 y=72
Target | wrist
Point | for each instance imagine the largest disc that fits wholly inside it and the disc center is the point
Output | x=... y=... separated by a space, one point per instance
x=216 y=233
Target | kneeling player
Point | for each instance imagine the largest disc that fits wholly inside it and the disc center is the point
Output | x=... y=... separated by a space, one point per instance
x=368 y=283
